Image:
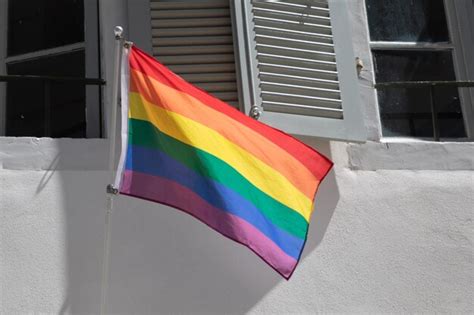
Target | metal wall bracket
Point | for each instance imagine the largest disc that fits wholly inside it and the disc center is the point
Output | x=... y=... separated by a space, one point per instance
x=112 y=190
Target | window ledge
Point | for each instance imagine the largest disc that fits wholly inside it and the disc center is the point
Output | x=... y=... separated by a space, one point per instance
x=421 y=140
x=411 y=154
x=26 y=153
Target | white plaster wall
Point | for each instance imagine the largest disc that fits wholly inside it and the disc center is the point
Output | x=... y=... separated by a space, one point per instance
x=388 y=240
x=392 y=229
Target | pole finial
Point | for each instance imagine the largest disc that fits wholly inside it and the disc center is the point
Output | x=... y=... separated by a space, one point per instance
x=118 y=31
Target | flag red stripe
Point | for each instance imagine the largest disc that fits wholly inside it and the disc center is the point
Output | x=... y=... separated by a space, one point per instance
x=313 y=160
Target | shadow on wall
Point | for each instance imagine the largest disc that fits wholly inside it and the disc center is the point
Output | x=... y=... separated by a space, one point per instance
x=163 y=260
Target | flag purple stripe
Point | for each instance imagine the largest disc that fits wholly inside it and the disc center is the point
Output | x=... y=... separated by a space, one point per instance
x=157 y=163
x=168 y=192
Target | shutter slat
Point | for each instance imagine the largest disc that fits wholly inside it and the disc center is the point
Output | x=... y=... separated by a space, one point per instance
x=226 y=96
x=297 y=53
x=295 y=26
x=323 y=4
x=189 y=13
x=297 y=63
x=304 y=110
x=199 y=22
x=281 y=30
x=293 y=99
x=294 y=35
x=281 y=6
x=196 y=59
x=295 y=43
x=193 y=50
x=294 y=71
x=202 y=68
x=194 y=30
x=305 y=3
x=194 y=39
x=209 y=77
x=174 y=5
x=298 y=80
x=217 y=86
x=300 y=90
x=292 y=18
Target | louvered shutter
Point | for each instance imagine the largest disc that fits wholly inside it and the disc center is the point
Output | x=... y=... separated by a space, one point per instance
x=194 y=39
x=301 y=67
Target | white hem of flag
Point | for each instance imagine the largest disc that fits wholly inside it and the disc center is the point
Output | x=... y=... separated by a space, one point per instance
x=124 y=79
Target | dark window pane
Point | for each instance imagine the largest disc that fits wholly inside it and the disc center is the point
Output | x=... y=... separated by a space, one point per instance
x=42 y=24
x=27 y=111
x=407 y=112
x=407 y=20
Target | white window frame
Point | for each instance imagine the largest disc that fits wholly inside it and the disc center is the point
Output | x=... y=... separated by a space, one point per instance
x=458 y=23
x=90 y=46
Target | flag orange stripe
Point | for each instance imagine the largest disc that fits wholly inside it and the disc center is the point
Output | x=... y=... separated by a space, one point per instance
x=168 y=98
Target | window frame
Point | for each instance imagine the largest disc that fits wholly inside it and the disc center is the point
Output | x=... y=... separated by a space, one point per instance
x=457 y=22
x=3 y=66
x=460 y=22
x=91 y=48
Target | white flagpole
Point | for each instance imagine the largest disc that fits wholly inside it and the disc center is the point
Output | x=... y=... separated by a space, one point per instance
x=111 y=190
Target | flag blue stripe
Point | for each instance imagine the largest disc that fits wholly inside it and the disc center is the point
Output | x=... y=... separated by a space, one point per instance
x=157 y=163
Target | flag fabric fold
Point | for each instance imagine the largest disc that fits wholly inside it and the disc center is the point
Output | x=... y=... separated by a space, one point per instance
x=187 y=149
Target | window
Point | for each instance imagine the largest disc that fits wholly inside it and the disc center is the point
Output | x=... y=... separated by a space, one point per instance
x=422 y=40
x=292 y=59
x=45 y=39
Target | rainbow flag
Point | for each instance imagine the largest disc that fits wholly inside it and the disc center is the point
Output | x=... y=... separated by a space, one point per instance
x=185 y=148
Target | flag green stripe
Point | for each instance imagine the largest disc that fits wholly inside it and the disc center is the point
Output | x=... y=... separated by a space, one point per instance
x=143 y=133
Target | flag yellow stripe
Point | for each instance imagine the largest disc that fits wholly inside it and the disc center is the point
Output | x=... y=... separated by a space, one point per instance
x=195 y=134
x=248 y=139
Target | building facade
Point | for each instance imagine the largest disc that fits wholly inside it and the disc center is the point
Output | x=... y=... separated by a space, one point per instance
x=392 y=228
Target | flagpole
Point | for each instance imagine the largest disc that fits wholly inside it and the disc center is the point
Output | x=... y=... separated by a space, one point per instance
x=111 y=190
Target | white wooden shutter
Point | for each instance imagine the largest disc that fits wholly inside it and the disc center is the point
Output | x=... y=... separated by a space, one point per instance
x=194 y=39
x=301 y=67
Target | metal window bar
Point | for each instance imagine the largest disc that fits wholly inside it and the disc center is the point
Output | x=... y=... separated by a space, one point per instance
x=431 y=85
x=47 y=80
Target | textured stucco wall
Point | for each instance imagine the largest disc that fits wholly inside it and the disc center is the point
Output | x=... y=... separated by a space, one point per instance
x=388 y=240
x=392 y=230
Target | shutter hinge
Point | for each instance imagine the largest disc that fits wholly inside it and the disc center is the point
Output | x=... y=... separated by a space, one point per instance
x=255 y=112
